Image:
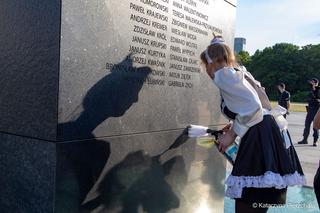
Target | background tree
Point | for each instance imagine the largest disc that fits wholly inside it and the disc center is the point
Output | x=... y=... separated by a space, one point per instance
x=286 y=63
x=244 y=58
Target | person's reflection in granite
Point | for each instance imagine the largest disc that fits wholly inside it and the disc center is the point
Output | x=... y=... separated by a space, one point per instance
x=111 y=96
x=139 y=183
x=142 y=183
x=214 y=176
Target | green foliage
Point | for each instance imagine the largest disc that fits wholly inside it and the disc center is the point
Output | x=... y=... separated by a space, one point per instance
x=244 y=58
x=300 y=96
x=286 y=63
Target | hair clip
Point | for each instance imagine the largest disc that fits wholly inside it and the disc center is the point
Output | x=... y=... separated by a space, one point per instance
x=217 y=40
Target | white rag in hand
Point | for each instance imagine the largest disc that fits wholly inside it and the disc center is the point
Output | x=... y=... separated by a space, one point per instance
x=197 y=131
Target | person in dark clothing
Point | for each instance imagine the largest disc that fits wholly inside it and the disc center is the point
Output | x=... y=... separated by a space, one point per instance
x=284 y=98
x=312 y=109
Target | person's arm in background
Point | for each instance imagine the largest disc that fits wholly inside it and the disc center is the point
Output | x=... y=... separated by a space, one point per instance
x=288 y=102
x=316 y=120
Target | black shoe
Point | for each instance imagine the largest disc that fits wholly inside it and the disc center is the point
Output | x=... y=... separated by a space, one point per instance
x=303 y=142
x=315 y=144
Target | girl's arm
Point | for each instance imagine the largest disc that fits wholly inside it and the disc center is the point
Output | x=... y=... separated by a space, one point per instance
x=241 y=98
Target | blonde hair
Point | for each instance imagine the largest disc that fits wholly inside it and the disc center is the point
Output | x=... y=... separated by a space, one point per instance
x=219 y=53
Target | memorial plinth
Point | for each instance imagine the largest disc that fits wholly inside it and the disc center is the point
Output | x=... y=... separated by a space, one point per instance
x=91 y=95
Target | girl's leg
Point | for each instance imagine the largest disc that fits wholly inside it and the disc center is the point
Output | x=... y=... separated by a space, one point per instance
x=243 y=207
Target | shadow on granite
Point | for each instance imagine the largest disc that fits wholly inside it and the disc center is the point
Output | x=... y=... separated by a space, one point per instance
x=79 y=165
x=112 y=96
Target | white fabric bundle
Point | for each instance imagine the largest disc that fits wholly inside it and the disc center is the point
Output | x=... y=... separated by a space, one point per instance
x=197 y=131
x=278 y=113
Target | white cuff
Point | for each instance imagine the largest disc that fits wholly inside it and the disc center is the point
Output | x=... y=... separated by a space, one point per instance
x=239 y=129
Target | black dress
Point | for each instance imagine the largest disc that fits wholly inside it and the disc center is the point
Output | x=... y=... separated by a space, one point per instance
x=264 y=168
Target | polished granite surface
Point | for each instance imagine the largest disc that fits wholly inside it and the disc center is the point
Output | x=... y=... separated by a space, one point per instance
x=96 y=95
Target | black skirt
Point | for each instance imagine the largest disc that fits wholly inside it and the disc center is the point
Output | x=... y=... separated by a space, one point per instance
x=264 y=168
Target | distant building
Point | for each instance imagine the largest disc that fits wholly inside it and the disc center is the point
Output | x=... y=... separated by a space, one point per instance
x=239 y=44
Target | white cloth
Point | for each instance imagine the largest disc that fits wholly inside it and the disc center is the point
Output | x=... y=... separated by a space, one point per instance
x=240 y=97
x=278 y=113
x=197 y=131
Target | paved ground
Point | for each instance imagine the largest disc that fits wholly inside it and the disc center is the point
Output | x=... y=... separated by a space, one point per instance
x=309 y=155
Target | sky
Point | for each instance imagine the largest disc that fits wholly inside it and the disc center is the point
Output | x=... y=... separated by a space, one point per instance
x=267 y=22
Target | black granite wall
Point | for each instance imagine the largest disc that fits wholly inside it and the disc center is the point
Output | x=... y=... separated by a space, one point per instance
x=29 y=67
x=29 y=59
x=92 y=95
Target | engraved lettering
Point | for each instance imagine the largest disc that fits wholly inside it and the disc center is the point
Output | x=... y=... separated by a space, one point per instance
x=137 y=8
x=139 y=50
x=176 y=66
x=179 y=23
x=140 y=19
x=144 y=31
x=140 y=40
x=156 y=5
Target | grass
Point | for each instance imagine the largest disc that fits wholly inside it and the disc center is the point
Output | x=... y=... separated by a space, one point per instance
x=294 y=107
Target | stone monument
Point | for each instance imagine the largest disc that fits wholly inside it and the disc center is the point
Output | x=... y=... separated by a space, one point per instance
x=93 y=93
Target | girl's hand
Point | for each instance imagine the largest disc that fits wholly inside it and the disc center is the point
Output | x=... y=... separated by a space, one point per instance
x=226 y=140
x=227 y=128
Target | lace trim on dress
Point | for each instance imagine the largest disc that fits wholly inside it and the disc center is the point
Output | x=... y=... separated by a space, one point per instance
x=235 y=184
